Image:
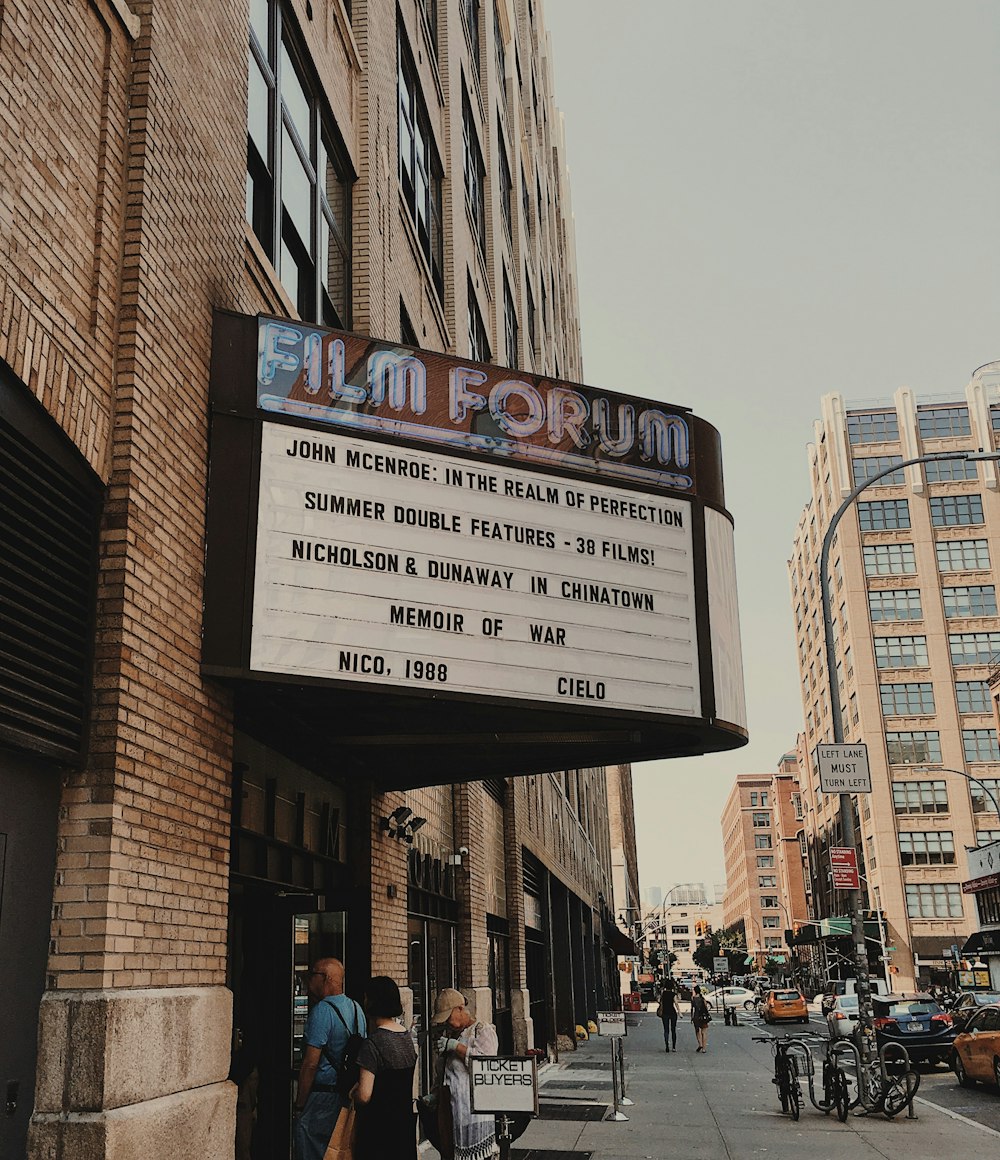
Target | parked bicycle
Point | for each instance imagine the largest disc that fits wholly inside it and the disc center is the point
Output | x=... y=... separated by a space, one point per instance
x=788 y=1052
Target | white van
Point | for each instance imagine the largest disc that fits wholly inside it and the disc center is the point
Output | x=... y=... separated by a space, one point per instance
x=837 y=987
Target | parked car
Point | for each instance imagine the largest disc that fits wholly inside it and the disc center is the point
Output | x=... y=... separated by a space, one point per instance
x=835 y=987
x=976 y=1050
x=917 y=1022
x=787 y=1004
x=968 y=1003
x=732 y=997
x=842 y=1018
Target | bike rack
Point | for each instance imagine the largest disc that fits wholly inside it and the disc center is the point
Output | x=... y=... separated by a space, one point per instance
x=907 y=1066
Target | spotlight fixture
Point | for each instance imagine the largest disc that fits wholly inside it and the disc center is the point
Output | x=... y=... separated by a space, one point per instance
x=401 y=824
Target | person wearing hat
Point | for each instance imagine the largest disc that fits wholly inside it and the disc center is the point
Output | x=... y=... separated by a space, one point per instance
x=462 y=1035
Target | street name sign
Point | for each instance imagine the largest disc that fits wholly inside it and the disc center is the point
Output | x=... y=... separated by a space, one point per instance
x=844 y=867
x=503 y=1084
x=611 y=1023
x=843 y=768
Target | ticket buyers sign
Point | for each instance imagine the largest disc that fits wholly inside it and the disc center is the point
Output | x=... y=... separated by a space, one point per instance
x=426 y=528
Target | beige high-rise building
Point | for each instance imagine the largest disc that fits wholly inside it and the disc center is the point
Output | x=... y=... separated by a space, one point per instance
x=761 y=832
x=913 y=576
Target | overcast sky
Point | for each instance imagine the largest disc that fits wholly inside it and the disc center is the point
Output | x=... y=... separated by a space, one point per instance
x=773 y=200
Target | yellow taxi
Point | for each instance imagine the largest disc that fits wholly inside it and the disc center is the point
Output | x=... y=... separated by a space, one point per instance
x=790 y=1005
x=976 y=1050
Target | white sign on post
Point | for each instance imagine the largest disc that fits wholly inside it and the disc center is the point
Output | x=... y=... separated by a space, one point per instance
x=720 y=965
x=611 y=1023
x=843 y=768
x=503 y=1084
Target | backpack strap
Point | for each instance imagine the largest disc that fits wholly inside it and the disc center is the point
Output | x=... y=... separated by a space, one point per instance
x=336 y=1010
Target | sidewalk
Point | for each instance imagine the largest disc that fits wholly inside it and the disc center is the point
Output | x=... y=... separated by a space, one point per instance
x=717 y=1106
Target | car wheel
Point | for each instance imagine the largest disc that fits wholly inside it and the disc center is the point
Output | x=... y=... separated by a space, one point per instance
x=996 y=1070
x=748 y=1004
x=958 y=1067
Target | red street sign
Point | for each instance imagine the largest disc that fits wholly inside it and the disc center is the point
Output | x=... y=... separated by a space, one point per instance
x=844 y=864
x=975 y=885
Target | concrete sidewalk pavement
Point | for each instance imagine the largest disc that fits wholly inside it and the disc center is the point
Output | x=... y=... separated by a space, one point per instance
x=717 y=1106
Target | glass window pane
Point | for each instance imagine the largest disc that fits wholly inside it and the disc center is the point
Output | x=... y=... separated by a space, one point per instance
x=293 y=96
x=258 y=22
x=257 y=109
x=296 y=189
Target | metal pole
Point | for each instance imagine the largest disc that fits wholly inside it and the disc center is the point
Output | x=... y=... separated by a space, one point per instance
x=617 y=1115
x=865 y=1014
x=624 y=1101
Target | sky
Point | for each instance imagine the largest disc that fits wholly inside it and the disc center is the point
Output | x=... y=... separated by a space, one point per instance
x=774 y=200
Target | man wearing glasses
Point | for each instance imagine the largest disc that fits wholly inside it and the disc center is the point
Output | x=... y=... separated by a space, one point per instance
x=333 y=1018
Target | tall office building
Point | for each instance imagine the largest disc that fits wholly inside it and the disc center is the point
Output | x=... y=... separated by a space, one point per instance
x=913 y=574
x=762 y=823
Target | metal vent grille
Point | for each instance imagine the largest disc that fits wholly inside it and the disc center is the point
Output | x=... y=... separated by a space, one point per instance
x=48 y=530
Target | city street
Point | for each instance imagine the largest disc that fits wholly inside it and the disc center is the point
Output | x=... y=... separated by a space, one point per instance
x=722 y=1105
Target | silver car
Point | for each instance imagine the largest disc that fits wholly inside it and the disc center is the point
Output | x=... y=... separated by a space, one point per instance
x=842 y=1018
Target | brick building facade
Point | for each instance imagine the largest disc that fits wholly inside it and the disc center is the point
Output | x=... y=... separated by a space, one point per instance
x=175 y=848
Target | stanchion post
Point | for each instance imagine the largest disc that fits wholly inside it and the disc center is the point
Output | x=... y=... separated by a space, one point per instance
x=625 y=1101
x=504 y=1138
x=617 y=1115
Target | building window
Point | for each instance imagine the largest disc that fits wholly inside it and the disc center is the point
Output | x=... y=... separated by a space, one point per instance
x=771 y=942
x=984 y=838
x=762 y=841
x=298 y=186
x=525 y=204
x=681 y=944
x=430 y=11
x=900 y=652
x=500 y=51
x=865 y=469
x=913 y=746
x=762 y=821
x=943 y=422
x=970 y=600
x=920 y=797
x=873 y=427
x=754 y=799
x=973 y=696
x=895 y=604
x=962 y=555
x=510 y=323
x=407 y=334
x=680 y=930
x=765 y=861
x=475 y=176
x=470 y=18
x=980 y=745
x=934 y=900
x=419 y=167
x=769 y=902
x=973 y=648
x=988 y=905
x=952 y=510
x=767 y=880
x=982 y=802
x=479 y=343
x=889 y=559
x=770 y=921
x=881 y=515
x=903 y=700
x=763 y=799
x=948 y=470
x=506 y=184
x=926 y=847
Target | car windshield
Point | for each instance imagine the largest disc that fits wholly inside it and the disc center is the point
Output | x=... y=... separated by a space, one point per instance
x=987 y=999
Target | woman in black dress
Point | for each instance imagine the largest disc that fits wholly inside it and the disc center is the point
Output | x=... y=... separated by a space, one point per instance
x=383 y=1096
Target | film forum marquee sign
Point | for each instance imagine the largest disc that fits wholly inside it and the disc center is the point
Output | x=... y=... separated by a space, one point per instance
x=441 y=555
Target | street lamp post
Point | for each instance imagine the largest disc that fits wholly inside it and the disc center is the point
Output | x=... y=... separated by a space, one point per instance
x=865 y=1015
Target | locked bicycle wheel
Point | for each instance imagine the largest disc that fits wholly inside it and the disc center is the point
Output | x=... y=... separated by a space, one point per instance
x=899 y=1093
x=842 y=1094
x=794 y=1099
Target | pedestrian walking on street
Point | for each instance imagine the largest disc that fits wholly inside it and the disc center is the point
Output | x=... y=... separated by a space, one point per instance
x=328 y=1028
x=383 y=1096
x=700 y=1017
x=667 y=1012
x=462 y=1036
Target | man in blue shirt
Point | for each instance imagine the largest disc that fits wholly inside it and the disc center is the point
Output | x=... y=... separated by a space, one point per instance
x=317 y=1103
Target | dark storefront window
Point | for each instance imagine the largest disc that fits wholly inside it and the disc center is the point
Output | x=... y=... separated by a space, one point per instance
x=431 y=922
x=498 y=977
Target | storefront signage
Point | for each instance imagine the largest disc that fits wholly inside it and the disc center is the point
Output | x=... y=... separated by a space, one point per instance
x=977 y=885
x=503 y=1084
x=844 y=867
x=611 y=1023
x=984 y=861
x=462 y=570
x=843 y=768
x=403 y=568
